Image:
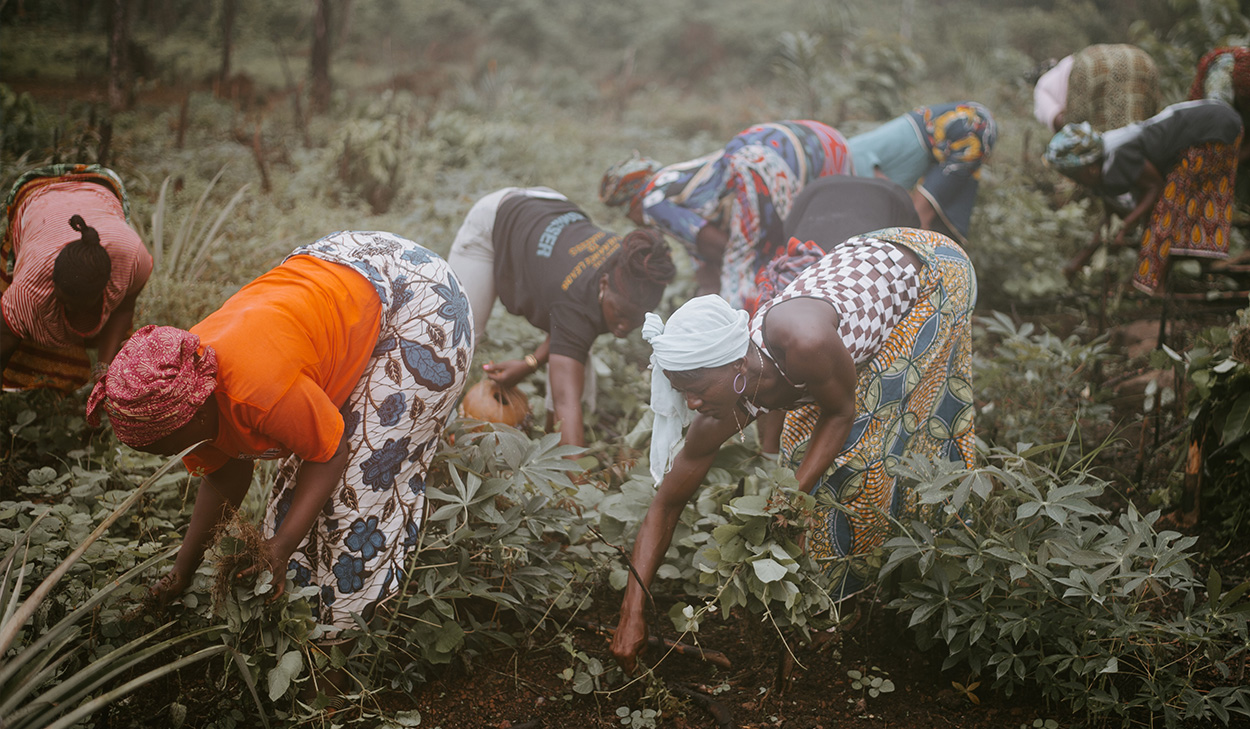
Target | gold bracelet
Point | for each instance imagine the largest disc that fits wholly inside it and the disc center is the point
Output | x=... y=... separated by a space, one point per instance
x=532 y=361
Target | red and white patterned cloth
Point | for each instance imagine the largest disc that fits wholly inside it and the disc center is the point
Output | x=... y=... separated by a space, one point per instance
x=40 y=230
x=154 y=386
x=867 y=280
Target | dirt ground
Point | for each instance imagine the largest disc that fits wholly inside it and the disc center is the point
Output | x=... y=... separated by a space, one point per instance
x=527 y=691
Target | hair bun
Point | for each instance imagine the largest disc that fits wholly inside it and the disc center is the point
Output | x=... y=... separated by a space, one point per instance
x=89 y=234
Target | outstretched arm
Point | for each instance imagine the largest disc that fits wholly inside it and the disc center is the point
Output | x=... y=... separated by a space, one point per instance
x=219 y=495
x=314 y=485
x=804 y=333
x=689 y=469
x=116 y=328
x=568 y=380
x=1150 y=189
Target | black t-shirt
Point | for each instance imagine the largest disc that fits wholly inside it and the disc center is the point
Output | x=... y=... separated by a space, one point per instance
x=547 y=261
x=834 y=208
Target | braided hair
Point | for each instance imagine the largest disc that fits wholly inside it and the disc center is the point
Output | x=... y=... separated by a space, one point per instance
x=641 y=269
x=83 y=267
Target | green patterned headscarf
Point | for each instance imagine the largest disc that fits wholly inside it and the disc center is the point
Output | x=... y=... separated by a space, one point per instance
x=1074 y=146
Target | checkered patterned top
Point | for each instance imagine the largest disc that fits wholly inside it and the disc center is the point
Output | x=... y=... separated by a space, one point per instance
x=867 y=280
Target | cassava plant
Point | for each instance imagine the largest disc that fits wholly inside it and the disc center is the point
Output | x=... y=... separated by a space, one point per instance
x=1031 y=581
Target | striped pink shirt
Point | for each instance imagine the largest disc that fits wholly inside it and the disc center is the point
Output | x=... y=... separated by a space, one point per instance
x=40 y=229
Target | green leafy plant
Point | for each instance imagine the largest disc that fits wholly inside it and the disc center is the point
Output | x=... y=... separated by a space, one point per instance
x=503 y=547
x=1033 y=382
x=1030 y=580
x=638 y=718
x=1218 y=369
x=585 y=675
x=53 y=678
x=372 y=154
x=873 y=682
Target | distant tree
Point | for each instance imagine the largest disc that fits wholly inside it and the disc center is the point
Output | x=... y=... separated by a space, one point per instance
x=229 y=10
x=320 y=57
x=119 y=42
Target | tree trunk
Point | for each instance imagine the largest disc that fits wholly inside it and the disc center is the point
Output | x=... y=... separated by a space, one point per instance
x=320 y=60
x=345 y=23
x=119 y=38
x=228 y=8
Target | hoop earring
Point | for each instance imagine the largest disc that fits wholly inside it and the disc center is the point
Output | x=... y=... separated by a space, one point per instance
x=740 y=390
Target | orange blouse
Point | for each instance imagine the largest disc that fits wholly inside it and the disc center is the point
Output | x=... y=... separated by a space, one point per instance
x=291 y=347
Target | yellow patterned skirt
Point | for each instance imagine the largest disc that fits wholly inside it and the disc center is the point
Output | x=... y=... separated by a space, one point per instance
x=914 y=398
x=1194 y=214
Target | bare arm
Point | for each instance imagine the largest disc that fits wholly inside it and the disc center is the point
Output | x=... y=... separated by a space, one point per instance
x=691 y=465
x=219 y=494
x=711 y=243
x=1150 y=187
x=116 y=328
x=568 y=380
x=8 y=343
x=315 y=483
x=805 y=331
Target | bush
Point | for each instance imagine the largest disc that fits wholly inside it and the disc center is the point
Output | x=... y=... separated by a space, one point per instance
x=1218 y=368
x=1032 y=383
x=1030 y=582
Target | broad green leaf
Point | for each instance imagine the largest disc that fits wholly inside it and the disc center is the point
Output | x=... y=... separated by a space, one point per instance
x=767 y=570
x=1237 y=422
x=281 y=675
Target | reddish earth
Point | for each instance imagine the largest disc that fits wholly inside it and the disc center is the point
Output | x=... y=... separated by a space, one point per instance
x=526 y=690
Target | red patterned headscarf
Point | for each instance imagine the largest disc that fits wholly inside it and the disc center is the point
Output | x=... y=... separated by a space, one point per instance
x=154 y=385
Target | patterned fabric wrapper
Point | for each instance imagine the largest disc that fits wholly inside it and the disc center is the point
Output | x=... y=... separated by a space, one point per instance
x=356 y=550
x=154 y=386
x=1112 y=86
x=34 y=365
x=784 y=268
x=766 y=177
x=960 y=137
x=913 y=398
x=624 y=180
x=1073 y=147
x=1194 y=214
x=1223 y=73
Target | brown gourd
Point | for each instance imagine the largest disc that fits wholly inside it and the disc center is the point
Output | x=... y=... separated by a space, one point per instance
x=491 y=402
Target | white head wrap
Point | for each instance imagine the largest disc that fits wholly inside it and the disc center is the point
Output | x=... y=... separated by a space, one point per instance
x=705 y=332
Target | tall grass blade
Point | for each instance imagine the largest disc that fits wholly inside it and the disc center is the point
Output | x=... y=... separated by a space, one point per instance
x=209 y=240
x=10 y=629
x=105 y=699
x=158 y=228
x=246 y=674
x=68 y=623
